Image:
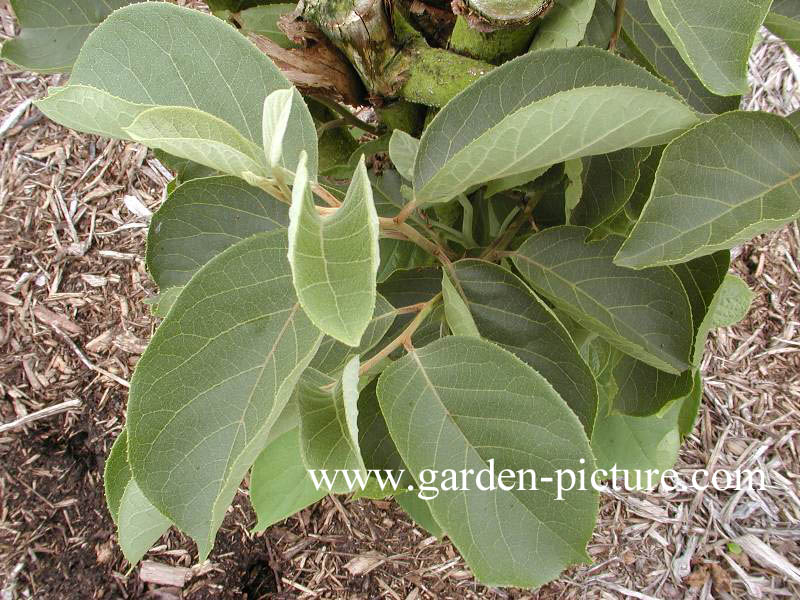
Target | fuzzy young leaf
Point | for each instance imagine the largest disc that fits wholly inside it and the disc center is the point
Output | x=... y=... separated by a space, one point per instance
x=283 y=108
x=541 y=109
x=329 y=422
x=139 y=524
x=215 y=378
x=645 y=314
x=718 y=185
x=199 y=137
x=403 y=150
x=203 y=217
x=53 y=32
x=279 y=481
x=460 y=403
x=335 y=259
x=508 y=313
x=645 y=36
x=564 y=25
x=714 y=37
x=456 y=311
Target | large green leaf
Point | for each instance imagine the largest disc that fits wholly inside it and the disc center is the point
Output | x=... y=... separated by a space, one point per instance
x=702 y=278
x=187 y=59
x=608 y=183
x=564 y=25
x=139 y=524
x=53 y=31
x=213 y=381
x=643 y=390
x=786 y=28
x=199 y=137
x=541 y=109
x=335 y=259
x=718 y=185
x=460 y=403
x=643 y=313
x=279 y=481
x=507 y=312
x=647 y=175
x=784 y=21
x=714 y=37
x=203 y=217
x=645 y=36
x=332 y=355
x=420 y=512
x=329 y=422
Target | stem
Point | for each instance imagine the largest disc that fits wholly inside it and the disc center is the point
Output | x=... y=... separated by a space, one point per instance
x=348 y=116
x=467 y=220
x=619 y=17
x=405 y=337
x=405 y=212
x=495 y=250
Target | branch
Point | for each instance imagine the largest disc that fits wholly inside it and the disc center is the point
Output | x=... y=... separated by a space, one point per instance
x=491 y=15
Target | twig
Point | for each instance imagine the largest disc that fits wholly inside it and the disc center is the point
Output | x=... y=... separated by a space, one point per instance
x=405 y=212
x=86 y=361
x=494 y=251
x=348 y=116
x=619 y=16
x=404 y=338
x=48 y=411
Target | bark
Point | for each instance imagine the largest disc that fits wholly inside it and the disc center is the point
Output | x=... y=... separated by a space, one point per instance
x=495 y=47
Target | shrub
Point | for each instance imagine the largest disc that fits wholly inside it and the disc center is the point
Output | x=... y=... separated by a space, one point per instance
x=529 y=284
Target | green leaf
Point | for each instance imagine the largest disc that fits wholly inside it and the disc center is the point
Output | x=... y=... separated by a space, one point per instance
x=117 y=474
x=199 y=137
x=690 y=407
x=377 y=447
x=718 y=185
x=263 y=20
x=335 y=259
x=329 y=422
x=162 y=302
x=541 y=109
x=279 y=481
x=647 y=175
x=282 y=108
x=608 y=183
x=643 y=33
x=731 y=303
x=139 y=524
x=233 y=5
x=403 y=150
x=184 y=170
x=121 y=72
x=637 y=444
x=714 y=37
x=573 y=171
x=646 y=314
x=203 y=217
x=456 y=311
x=786 y=28
x=564 y=25
x=52 y=33
x=213 y=381
x=643 y=390
x=420 y=513
x=506 y=312
x=400 y=254
x=462 y=402
x=702 y=278
x=332 y=355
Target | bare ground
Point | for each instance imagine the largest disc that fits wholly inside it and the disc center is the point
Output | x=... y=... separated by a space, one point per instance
x=72 y=282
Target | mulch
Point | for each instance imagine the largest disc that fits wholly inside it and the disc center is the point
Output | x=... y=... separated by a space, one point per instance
x=73 y=212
